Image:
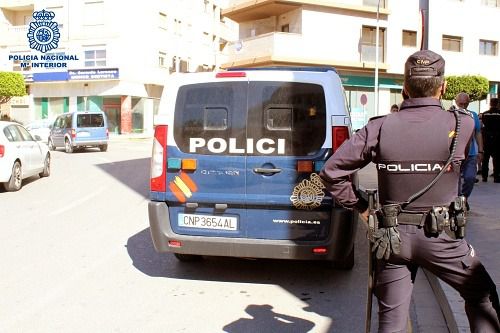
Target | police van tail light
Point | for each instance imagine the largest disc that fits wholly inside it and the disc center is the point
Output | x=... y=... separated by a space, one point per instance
x=305 y=166
x=158 y=160
x=73 y=133
x=107 y=133
x=2 y=150
x=339 y=135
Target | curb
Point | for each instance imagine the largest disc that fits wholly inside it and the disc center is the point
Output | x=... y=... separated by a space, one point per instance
x=451 y=304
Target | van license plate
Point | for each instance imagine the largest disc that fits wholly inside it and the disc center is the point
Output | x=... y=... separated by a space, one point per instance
x=207 y=222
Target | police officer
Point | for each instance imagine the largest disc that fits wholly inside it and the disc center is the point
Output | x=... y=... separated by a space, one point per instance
x=469 y=166
x=491 y=138
x=410 y=149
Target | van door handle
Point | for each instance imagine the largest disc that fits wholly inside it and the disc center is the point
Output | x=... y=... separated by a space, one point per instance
x=266 y=170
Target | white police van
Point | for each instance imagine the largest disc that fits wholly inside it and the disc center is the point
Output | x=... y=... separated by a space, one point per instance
x=235 y=161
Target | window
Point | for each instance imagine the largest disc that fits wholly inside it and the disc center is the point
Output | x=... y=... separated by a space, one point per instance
x=162 y=56
x=215 y=118
x=12 y=133
x=93 y=13
x=162 y=20
x=21 y=65
x=409 y=38
x=290 y=111
x=488 y=47
x=177 y=27
x=452 y=43
x=90 y=120
x=491 y=3
x=368 y=45
x=95 y=58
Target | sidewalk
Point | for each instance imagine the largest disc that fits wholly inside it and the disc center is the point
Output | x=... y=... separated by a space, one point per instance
x=131 y=136
x=483 y=233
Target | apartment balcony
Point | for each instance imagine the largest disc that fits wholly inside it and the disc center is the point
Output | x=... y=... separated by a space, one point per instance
x=14 y=35
x=225 y=32
x=282 y=49
x=17 y=4
x=244 y=10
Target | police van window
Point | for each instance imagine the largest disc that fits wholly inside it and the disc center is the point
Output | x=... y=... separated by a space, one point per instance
x=215 y=118
x=290 y=111
x=213 y=110
x=279 y=118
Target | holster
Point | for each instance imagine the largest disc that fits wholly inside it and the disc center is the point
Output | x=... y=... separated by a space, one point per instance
x=451 y=219
x=388 y=215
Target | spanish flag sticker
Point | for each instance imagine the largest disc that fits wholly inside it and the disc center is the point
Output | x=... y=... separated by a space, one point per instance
x=182 y=187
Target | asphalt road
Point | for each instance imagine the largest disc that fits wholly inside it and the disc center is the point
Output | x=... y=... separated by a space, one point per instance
x=77 y=257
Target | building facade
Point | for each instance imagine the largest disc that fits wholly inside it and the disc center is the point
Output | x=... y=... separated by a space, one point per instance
x=111 y=55
x=343 y=34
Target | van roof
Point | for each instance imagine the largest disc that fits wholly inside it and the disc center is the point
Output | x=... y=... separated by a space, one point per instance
x=286 y=68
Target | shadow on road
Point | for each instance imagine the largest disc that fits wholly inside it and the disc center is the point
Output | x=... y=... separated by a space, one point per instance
x=334 y=294
x=132 y=173
x=264 y=316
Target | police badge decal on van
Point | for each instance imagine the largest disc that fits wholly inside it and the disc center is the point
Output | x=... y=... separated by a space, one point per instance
x=309 y=193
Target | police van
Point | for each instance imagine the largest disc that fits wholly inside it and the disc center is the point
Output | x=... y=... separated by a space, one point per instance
x=235 y=163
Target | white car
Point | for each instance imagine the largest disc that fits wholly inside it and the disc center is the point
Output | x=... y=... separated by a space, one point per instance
x=21 y=156
x=40 y=127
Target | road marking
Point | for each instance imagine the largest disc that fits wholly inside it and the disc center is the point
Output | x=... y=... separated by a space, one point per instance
x=78 y=202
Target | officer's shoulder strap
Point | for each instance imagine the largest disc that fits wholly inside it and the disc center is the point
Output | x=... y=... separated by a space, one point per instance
x=462 y=111
x=377 y=117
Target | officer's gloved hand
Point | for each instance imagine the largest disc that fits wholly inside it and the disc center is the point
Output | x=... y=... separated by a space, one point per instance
x=386 y=241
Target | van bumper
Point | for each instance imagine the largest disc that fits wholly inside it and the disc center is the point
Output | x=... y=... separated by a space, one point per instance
x=82 y=143
x=339 y=243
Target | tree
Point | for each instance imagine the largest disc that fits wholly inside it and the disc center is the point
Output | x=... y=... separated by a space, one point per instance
x=476 y=86
x=11 y=84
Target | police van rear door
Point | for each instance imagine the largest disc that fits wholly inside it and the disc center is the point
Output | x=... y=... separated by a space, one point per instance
x=286 y=129
x=206 y=156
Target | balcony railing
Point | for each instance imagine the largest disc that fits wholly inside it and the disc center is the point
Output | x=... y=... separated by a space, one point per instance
x=14 y=35
x=283 y=47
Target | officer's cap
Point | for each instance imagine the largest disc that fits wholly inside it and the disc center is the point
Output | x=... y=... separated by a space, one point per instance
x=424 y=63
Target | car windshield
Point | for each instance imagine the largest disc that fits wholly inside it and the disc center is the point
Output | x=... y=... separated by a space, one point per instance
x=90 y=120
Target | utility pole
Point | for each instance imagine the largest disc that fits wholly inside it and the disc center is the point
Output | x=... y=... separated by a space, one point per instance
x=424 y=12
x=377 y=35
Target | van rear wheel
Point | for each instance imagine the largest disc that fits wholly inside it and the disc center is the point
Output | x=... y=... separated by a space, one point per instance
x=67 y=146
x=103 y=147
x=346 y=264
x=187 y=257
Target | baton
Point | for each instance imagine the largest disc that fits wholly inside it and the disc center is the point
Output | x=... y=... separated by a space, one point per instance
x=372 y=228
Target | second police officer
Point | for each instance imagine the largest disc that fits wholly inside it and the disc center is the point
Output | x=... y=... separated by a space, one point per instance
x=417 y=152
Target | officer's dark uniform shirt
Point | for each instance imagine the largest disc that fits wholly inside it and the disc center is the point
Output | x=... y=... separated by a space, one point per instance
x=408 y=148
x=491 y=123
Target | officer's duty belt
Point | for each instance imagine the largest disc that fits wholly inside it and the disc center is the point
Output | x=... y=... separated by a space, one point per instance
x=417 y=219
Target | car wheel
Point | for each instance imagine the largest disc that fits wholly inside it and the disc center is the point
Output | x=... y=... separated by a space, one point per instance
x=67 y=146
x=187 y=257
x=16 y=178
x=51 y=145
x=103 y=147
x=46 y=167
